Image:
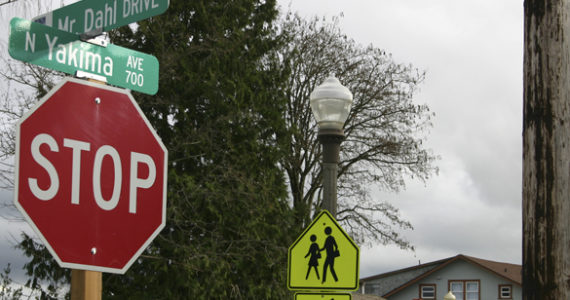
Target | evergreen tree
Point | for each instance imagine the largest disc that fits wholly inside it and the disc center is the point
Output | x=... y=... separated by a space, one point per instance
x=7 y=290
x=218 y=111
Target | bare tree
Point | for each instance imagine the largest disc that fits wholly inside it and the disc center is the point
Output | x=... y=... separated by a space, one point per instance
x=25 y=8
x=546 y=176
x=7 y=2
x=384 y=132
x=20 y=85
x=25 y=85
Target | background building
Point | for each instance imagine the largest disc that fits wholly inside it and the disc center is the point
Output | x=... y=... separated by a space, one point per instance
x=469 y=278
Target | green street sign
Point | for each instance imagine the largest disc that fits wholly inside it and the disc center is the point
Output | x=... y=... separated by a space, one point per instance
x=101 y=15
x=62 y=51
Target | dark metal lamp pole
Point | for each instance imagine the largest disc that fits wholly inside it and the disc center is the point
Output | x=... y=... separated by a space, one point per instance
x=331 y=103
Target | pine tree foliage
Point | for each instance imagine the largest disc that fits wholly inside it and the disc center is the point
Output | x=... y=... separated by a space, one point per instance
x=218 y=111
x=7 y=289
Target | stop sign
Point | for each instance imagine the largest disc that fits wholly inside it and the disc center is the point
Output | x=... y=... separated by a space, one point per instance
x=91 y=176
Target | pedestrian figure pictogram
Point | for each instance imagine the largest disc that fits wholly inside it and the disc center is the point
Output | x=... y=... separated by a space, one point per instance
x=324 y=257
x=332 y=252
x=315 y=254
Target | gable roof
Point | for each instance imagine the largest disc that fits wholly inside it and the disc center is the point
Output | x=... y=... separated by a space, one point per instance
x=511 y=272
x=508 y=271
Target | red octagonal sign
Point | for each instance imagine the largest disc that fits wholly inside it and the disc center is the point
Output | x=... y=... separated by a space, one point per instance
x=91 y=176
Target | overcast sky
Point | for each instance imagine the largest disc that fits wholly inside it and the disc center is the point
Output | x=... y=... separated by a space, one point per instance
x=472 y=53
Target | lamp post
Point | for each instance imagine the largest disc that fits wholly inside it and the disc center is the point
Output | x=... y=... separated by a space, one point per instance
x=330 y=103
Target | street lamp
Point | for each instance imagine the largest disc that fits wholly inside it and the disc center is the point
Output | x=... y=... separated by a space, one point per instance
x=330 y=103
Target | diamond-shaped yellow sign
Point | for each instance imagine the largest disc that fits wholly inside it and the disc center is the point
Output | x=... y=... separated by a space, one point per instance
x=323 y=258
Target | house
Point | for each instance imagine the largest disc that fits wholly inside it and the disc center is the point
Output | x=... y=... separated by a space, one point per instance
x=469 y=278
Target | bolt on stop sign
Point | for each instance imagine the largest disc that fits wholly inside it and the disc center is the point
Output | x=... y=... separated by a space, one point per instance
x=91 y=176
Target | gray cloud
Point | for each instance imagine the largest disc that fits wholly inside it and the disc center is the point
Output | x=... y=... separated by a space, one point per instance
x=472 y=52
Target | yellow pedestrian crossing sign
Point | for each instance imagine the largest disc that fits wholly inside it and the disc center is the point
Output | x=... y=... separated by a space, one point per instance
x=312 y=296
x=323 y=258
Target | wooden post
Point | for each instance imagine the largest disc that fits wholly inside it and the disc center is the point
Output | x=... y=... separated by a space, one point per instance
x=546 y=150
x=86 y=285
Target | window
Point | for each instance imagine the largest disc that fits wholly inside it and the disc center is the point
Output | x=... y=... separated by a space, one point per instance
x=372 y=288
x=457 y=289
x=505 y=291
x=427 y=291
x=472 y=290
x=465 y=289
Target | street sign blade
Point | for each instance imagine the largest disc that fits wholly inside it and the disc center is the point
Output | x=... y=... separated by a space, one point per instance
x=62 y=51
x=97 y=16
x=323 y=258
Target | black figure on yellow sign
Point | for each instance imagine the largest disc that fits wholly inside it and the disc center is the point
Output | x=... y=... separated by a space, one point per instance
x=332 y=252
x=315 y=254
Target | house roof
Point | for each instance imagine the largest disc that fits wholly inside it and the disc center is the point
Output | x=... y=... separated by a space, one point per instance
x=511 y=272
x=427 y=266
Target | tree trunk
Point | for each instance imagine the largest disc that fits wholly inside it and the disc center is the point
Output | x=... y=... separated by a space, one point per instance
x=546 y=150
